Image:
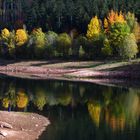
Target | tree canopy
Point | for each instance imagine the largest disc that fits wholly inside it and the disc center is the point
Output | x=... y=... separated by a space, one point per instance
x=62 y=15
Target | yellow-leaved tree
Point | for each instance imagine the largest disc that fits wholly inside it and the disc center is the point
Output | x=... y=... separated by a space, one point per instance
x=21 y=37
x=94 y=28
x=7 y=38
x=5 y=33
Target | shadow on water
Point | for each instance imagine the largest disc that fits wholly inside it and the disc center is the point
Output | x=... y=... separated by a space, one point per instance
x=77 y=111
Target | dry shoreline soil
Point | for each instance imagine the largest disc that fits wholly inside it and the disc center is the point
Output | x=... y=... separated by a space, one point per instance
x=24 y=126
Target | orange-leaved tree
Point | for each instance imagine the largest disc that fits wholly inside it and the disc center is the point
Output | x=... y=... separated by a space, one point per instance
x=115 y=16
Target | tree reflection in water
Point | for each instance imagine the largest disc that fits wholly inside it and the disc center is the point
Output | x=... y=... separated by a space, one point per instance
x=65 y=103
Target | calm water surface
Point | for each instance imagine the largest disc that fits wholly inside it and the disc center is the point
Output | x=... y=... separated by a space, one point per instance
x=77 y=111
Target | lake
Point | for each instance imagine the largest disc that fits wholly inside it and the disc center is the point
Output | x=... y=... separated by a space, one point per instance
x=76 y=110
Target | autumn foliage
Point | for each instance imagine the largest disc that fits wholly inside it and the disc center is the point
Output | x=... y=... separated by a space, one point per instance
x=93 y=28
x=105 y=37
x=114 y=17
x=5 y=33
x=22 y=99
x=95 y=112
x=21 y=37
x=5 y=102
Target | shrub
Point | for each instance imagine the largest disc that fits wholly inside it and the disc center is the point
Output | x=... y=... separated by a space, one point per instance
x=63 y=44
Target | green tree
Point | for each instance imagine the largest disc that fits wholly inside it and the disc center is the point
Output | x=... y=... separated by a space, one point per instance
x=129 y=48
x=130 y=18
x=51 y=38
x=38 y=38
x=63 y=44
x=117 y=33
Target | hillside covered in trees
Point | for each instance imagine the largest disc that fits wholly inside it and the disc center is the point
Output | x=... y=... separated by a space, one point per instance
x=60 y=15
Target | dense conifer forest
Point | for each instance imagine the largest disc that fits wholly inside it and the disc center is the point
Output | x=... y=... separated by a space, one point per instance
x=61 y=15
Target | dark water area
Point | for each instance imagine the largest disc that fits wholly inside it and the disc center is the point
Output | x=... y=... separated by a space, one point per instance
x=76 y=110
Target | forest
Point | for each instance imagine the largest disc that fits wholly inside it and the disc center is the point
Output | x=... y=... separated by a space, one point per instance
x=81 y=29
x=61 y=15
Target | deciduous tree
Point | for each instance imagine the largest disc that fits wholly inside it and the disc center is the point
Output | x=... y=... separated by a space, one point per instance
x=21 y=37
x=94 y=28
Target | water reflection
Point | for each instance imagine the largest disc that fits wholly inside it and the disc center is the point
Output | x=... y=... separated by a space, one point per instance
x=72 y=106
